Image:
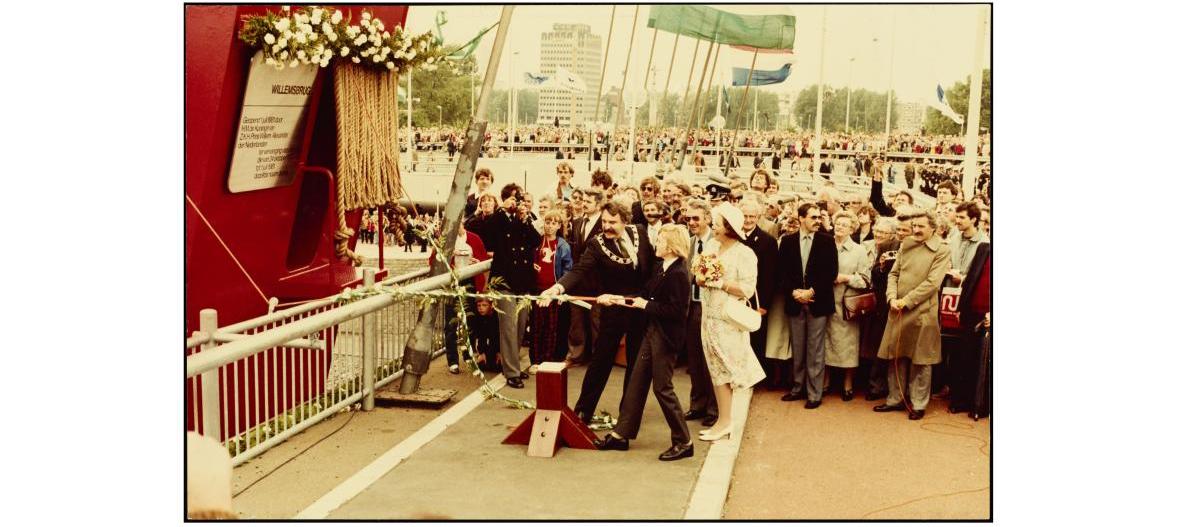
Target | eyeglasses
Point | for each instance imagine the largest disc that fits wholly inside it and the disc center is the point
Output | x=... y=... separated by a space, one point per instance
x=692 y=218
x=811 y=217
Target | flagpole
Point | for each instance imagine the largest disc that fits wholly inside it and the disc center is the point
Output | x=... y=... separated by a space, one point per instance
x=695 y=105
x=816 y=166
x=687 y=90
x=971 y=174
x=755 y=109
x=645 y=83
x=513 y=90
x=708 y=88
x=670 y=69
x=624 y=77
x=600 y=89
x=891 y=87
x=849 y=81
x=741 y=109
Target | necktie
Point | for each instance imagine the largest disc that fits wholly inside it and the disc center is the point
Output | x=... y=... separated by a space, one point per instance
x=805 y=245
x=696 y=288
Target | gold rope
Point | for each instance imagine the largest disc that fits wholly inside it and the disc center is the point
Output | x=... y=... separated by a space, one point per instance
x=368 y=164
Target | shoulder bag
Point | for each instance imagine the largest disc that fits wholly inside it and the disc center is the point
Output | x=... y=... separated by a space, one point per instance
x=740 y=314
x=857 y=305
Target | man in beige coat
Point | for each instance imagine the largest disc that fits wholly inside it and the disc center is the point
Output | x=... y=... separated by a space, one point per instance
x=912 y=332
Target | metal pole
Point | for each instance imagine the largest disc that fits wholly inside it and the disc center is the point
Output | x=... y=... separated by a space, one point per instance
x=683 y=98
x=849 y=81
x=741 y=109
x=418 y=349
x=670 y=68
x=708 y=88
x=210 y=385
x=695 y=106
x=370 y=344
x=971 y=174
x=512 y=120
x=600 y=88
x=891 y=86
x=820 y=97
x=624 y=77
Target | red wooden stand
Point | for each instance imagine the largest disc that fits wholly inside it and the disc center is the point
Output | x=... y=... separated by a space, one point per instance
x=553 y=423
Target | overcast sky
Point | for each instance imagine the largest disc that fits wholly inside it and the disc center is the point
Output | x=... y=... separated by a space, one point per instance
x=932 y=43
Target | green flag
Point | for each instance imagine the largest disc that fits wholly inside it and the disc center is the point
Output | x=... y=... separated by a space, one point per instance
x=467 y=49
x=769 y=31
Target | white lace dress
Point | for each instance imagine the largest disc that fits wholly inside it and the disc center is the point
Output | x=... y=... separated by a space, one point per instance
x=726 y=347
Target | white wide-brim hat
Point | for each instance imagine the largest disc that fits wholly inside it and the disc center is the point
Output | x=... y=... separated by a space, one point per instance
x=732 y=215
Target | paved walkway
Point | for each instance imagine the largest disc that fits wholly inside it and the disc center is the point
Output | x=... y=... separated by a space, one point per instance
x=466 y=473
x=844 y=461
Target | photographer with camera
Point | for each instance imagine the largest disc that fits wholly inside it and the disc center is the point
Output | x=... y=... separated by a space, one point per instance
x=515 y=242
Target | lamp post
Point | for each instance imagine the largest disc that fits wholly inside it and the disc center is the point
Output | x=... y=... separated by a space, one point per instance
x=439 y=107
x=849 y=81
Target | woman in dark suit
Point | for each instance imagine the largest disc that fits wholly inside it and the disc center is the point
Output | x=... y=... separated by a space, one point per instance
x=665 y=307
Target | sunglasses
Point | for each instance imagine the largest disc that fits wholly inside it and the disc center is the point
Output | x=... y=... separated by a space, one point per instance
x=692 y=218
x=647 y=187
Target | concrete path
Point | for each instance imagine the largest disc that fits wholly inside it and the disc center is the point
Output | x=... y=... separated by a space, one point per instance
x=465 y=473
x=844 y=461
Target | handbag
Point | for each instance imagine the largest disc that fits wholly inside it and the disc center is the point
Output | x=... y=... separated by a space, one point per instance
x=854 y=306
x=740 y=314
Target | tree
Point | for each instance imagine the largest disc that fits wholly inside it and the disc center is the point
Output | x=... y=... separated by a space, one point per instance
x=448 y=86
x=958 y=97
x=868 y=110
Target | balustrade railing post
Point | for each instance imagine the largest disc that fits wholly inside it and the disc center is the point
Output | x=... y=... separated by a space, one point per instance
x=210 y=385
x=370 y=344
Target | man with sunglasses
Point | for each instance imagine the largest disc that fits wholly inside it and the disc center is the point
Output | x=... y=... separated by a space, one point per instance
x=703 y=405
x=808 y=266
x=649 y=192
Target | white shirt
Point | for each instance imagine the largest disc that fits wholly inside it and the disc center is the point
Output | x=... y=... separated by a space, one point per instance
x=652 y=230
x=590 y=224
x=668 y=261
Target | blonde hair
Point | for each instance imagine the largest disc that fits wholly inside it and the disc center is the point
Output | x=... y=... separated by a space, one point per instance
x=676 y=239
x=846 y=214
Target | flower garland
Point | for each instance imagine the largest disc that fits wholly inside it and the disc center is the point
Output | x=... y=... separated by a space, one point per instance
x=601 y=421
x=317 y=36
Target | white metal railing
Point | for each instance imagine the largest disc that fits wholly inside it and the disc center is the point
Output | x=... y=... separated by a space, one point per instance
x=256 y=383
x=438 y=150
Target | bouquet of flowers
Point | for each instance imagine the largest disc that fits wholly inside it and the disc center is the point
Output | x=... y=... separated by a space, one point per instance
x=707 y=268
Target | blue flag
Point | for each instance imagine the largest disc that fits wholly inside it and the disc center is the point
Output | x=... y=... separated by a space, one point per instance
x=760 y=77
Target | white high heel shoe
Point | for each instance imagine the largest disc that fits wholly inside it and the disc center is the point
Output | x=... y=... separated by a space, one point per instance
x=710 y=435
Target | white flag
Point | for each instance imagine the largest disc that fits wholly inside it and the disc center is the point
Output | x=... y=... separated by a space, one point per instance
x=569 y=81
x=944 y=107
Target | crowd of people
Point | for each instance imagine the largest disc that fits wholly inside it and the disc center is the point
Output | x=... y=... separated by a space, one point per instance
x=812 y=291
x=407 y=230
x=913 y=159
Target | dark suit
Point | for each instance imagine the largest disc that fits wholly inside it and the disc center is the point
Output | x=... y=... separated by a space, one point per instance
x=767 y=250
x=512 y=260
x=666 y=316
x=966 y=375
x=639 y=217
x=585 y=324
x=611 y=277
x=808 y=321
x=878 y=202
x=702 y=399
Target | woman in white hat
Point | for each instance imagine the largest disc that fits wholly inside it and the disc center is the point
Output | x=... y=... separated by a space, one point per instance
x=731 y=361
